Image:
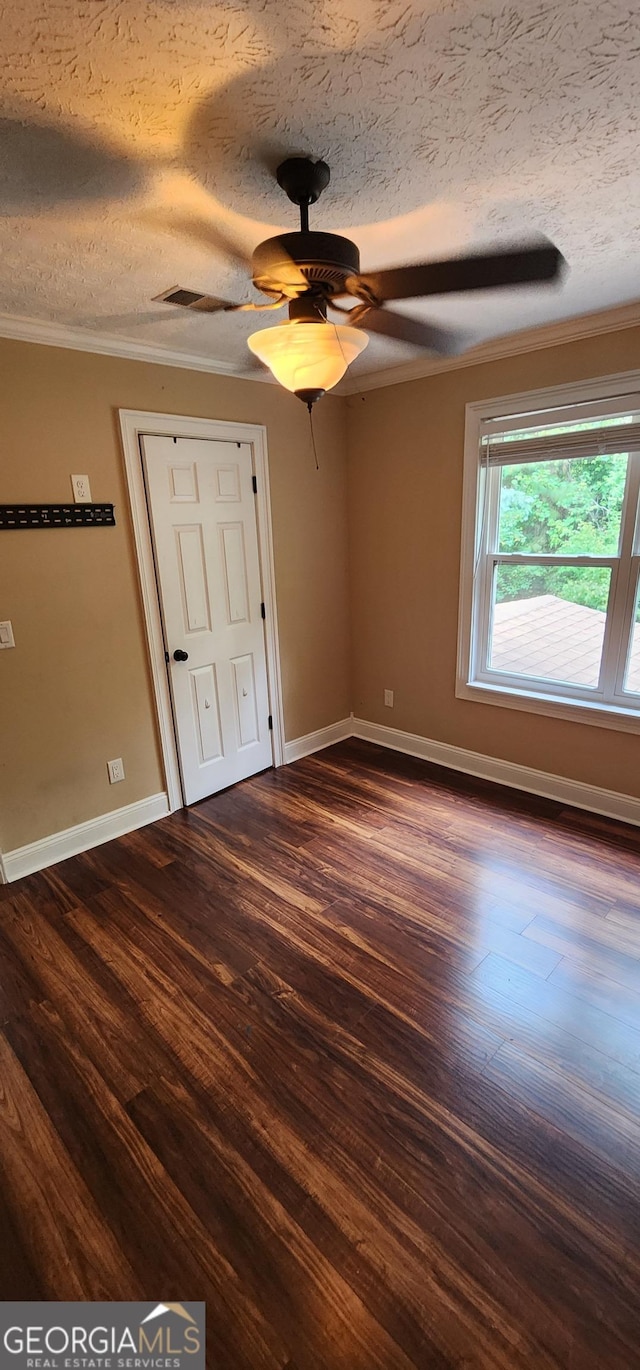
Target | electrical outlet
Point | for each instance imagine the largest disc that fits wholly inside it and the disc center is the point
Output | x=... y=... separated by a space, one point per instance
x=388 y=698
x=81 y=489
x=6 y=635
x=116 y=770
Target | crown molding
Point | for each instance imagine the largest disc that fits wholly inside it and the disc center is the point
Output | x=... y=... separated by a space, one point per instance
x=81 y=340
x=23 y=329
x=528 y=340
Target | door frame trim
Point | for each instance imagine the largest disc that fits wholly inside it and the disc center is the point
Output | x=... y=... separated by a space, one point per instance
x=134 y=424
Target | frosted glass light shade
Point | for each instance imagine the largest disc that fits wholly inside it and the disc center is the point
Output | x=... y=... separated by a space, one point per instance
x=308 y=356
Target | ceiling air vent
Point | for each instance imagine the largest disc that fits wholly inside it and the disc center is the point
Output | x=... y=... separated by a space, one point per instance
x=192 y=299
x=188 y=298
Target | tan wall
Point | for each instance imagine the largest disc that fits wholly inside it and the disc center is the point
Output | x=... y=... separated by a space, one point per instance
x=75 y=692
x=405 y=502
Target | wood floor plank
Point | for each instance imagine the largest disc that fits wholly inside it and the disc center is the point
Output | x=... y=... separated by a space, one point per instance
x=330 y=1204
x=165 y=962
x=19 y=982
x=311 y=1305
x=588 y=983
x=247 y=931
x=66 y=1237
x=199 y=925
x=544 y=998
x=572 y=1108
x=351 y=1052
x=382 y=1120
x=157 y=1232
x=626 y=916
x=366 y=1120
x=18 y=1273
x=613 y=931
x=555 y=1034
x=69 y=883
x=508 y=877
x=406 y=1075
x=588 y=948
x=197 y=1038
x=86 y=993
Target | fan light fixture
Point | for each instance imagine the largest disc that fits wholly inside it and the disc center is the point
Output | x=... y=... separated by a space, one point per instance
x=308 y=358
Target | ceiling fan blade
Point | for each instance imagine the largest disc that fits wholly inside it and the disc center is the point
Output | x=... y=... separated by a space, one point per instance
x=192 y=299
x=415 y=331
x=486 y=271
x=200 y=230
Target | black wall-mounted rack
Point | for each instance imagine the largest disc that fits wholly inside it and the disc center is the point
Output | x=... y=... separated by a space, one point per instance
x=56 y=516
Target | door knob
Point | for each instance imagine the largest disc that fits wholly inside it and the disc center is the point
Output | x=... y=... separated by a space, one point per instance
x=179 y=655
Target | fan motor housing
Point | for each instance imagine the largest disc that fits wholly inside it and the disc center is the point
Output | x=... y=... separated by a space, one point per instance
x=325 y=260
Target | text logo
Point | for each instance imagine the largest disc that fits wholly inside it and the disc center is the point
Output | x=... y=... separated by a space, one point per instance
x=102 y=1336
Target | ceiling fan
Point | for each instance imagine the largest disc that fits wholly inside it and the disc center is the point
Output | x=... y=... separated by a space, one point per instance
x=310 y=272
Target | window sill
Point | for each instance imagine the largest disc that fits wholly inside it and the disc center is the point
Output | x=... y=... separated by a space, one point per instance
x=574 y=710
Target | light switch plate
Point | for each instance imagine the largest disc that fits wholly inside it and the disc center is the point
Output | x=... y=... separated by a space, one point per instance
x=6 y=635
x=81 y=489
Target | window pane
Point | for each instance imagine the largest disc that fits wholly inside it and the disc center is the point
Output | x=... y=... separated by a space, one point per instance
x=632 y=681
x=566 y=507
x=549 y=621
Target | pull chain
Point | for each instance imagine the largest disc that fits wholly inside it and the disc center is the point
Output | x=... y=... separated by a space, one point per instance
x=313 y=436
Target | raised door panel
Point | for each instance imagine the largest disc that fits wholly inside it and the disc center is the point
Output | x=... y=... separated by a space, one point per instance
x=206 y=709
x=234 y=572
x=244 y=687
x=192 y=572
x=227 y=485
x=183 y=483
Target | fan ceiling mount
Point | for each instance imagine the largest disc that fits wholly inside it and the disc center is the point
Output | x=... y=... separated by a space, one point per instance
x=310 y=272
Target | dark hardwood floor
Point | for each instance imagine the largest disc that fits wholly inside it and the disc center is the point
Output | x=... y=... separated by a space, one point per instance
x=352 y=1053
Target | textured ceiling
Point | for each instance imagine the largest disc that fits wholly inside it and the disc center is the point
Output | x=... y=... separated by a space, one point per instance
x=138 y=140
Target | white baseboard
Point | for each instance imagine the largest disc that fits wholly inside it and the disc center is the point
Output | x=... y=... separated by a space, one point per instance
x=623 y=807
x=610 y=803
x=36 y=855
x=314 y=742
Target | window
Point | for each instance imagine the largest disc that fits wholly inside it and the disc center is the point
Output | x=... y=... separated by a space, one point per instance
x=550 y=607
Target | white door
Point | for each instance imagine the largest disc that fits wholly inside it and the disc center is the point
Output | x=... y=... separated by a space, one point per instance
x=203 y=523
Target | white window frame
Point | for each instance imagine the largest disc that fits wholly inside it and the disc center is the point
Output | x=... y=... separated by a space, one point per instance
x=608 y=706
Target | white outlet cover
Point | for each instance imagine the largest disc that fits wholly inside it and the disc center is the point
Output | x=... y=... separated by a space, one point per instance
x=388 y=698
x=81 y=489
x=6 y=635
x=116 y=770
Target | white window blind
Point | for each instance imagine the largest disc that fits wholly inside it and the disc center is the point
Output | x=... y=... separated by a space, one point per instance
x=609 y=436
